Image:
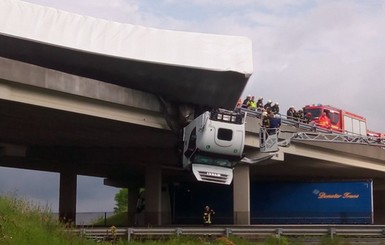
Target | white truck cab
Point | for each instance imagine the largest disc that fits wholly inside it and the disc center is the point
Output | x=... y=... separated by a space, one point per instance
x=213 y=143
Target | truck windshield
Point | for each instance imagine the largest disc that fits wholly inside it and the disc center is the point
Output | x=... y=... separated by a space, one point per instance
x=202 y=159
x=315 y=112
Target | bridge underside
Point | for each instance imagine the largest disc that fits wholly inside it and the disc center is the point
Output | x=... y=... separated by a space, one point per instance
x=107 y=148
x=304 y=168
x=50 y=135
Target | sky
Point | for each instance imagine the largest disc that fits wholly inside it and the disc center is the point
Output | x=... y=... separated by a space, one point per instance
x=304 y=52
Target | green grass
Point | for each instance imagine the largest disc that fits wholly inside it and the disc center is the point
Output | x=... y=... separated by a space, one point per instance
x=22 y=223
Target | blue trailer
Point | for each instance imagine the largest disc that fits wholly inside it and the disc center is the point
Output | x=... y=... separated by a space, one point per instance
x=320 y=202
x=331 y=202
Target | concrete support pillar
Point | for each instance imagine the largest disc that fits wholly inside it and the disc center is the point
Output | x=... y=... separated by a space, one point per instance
x=166 y=206
x=153 y=188
x=378 y=206
x=241 y=194
x=133 y=192
x=67 y=196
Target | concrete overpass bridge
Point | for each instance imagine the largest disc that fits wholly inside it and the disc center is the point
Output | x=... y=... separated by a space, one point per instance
x=58 y=127
x=64 y=110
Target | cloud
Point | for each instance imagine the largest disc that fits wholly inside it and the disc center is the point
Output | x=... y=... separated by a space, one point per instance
x=327 y=54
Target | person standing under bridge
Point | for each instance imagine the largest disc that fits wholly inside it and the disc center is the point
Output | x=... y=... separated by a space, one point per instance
x=140 y=206
x=207 y=215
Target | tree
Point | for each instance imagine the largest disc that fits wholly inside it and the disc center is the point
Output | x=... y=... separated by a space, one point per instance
x=121 y=199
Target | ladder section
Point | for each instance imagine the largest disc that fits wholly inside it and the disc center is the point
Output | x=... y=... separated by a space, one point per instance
x=337 y=138
x=310 y=133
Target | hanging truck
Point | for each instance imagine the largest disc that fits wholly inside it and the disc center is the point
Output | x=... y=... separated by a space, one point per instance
x=213 y=144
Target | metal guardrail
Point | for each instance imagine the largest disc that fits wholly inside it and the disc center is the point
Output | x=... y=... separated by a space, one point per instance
x=331 y=231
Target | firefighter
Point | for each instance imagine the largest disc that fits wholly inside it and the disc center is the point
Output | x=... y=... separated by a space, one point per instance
x=140 y=206
x=252 y=105
x=265 y=126
x=207 y=215
x=324 y=121
x=265 y=120
x=300 y=116
x=308 y=117
x=267 y=105
x=260 y=103
x=308 y=120
x=274 y=123
x=275 y=120
x=246 y=101
x=291 y=113
x=275 y=108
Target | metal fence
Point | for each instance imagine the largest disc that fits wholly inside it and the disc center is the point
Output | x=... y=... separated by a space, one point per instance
x=91 y=218
x=374 y=233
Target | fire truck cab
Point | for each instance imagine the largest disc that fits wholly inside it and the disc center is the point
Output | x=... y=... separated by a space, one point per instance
x=340 y=120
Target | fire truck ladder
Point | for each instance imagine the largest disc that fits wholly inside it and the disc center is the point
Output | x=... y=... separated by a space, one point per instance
x=337 y=138
x=270 y=142
x=314 y=133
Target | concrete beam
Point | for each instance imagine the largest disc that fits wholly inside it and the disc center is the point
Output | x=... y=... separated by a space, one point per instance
x=71 y=103
x=27 y=74
x=25 y=83
x=335 y=156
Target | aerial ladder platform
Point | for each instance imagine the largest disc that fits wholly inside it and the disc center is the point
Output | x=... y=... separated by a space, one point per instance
x=213 y=143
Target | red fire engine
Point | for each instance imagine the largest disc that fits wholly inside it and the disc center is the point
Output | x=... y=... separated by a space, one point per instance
x=340 y=120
